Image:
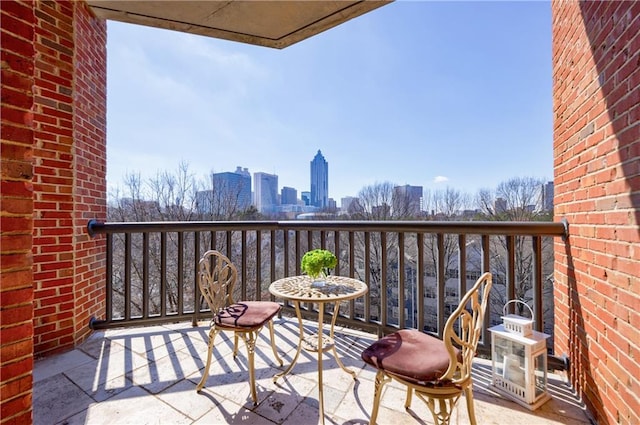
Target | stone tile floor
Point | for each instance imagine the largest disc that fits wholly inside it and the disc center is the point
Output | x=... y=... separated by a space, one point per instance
x=148 y=375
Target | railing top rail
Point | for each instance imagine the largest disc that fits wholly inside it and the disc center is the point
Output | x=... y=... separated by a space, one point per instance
x=538 y=228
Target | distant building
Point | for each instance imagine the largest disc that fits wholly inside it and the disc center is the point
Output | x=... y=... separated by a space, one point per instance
x=319 y=181
x=346 y=202
x=139 y=204
x=407 y=200
x=500 y=205
x=546 y=196
x=266 y=192
x=230 y=193
x=381 y=211
x=306 y=198
x=288 y=196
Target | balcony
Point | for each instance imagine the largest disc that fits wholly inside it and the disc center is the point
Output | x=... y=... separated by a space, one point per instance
x=149 y=374
x=147 y=353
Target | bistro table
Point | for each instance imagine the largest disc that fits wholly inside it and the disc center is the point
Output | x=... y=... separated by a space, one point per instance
x=302 y=289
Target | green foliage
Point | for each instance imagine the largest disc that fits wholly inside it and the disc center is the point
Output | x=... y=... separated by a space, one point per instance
x=317 y=261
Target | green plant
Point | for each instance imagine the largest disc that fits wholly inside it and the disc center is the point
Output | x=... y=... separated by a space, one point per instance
x=318 y=261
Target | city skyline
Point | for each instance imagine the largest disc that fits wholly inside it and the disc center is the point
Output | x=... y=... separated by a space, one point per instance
x=433 y=94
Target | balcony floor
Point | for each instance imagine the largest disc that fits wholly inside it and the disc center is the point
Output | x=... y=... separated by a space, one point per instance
x=148 y=376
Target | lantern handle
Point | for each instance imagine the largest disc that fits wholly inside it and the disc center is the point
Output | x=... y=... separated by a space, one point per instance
x=504 y=309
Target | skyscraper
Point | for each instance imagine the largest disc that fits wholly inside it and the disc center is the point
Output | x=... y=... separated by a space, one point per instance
x=546 y=196
x=230 y=193
x=319 y=181
x=288 y=196
x=266 y=192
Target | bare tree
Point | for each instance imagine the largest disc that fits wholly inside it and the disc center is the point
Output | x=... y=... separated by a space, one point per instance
x=444 y=205
x=516 y=200
x=373 y=202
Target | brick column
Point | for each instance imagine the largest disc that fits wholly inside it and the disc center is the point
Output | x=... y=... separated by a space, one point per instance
x=70 y=172
x=16 y=289
x=53 y=181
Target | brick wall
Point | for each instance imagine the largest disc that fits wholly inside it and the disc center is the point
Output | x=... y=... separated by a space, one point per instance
x=16 y=208
x=53 y=180
x=70 y=171
x=596 y=85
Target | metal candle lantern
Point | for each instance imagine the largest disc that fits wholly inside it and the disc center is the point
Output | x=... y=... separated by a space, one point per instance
x=519 y=360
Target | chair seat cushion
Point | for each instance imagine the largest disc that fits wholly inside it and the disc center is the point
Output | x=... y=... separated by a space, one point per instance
x=247 y=314
x=411 y=355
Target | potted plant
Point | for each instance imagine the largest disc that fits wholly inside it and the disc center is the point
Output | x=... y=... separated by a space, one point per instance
x=317 y=262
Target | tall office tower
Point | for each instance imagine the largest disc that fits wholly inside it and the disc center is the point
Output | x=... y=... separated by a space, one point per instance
x=546 y=196
x=266 y=192
x=288 y=196
x=319 y=181
x=230 y=193
x=407 y=201
x=306 y=198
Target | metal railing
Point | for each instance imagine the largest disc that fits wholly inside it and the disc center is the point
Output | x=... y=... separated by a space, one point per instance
x=416 y=270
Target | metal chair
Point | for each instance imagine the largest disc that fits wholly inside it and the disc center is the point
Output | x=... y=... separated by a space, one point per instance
x=216 y=278
x=438 y=371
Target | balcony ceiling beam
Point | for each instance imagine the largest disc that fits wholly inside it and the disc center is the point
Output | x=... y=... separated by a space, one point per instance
x=275 y=24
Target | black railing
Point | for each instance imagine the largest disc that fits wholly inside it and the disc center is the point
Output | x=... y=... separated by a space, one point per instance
x=416 y=270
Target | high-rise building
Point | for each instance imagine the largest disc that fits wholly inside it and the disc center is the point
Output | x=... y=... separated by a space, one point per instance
x=319 y=181
x=288 y=196
x=306 y=198
x=407 y=201
x=546 y=196
x=266 y=192
x=230 y=193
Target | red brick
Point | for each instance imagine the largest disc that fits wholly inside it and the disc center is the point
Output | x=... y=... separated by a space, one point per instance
x=15 y=333
x=15 y=297
x=17 y=279
x=16 y=410
x=16 y=44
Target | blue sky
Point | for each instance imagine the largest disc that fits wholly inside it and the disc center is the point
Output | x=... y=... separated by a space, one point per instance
x=434 y=94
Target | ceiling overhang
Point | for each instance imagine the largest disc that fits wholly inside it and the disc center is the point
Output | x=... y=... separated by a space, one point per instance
x=270 y=23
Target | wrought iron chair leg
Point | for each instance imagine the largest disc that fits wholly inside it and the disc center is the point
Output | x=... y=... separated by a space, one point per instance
x=235 y=344
x=250 y=341
x=407 y=402
x=273 y=343
x=381 y=379
x=205 y=374
x=468 y=394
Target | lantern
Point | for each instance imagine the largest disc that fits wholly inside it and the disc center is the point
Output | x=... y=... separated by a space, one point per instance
x=519 y=361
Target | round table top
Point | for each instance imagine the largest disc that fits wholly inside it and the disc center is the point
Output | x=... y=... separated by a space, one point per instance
x=299 y=288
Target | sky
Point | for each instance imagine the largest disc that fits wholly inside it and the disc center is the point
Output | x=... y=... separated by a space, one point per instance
x=434 y=94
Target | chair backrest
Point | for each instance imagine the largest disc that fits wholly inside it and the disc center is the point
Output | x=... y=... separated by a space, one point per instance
x=462 y=342
x=216 y=277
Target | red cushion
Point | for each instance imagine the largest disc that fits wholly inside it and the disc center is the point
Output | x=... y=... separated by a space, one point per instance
x=411 y=355
x=247 y=314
